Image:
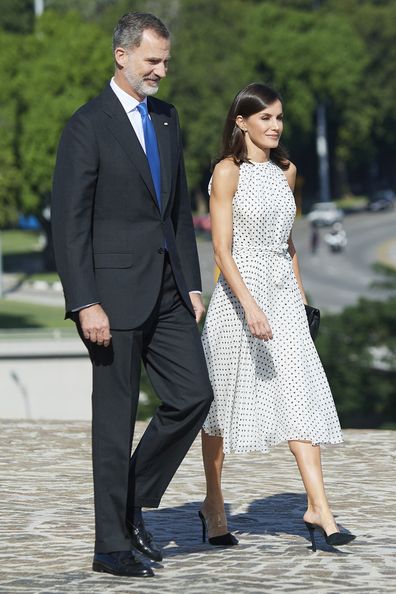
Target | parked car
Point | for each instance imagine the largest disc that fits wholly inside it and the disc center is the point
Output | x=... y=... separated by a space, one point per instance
x=324 y=214
x=28 y=223
x=382 y=200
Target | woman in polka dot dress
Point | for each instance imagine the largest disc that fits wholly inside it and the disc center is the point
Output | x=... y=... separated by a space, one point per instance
x=268 y=382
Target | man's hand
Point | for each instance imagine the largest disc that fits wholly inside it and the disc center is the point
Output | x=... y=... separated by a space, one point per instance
x=198 y=306
x=95 y=324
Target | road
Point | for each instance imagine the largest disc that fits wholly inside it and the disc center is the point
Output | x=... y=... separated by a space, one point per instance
x=334 y=281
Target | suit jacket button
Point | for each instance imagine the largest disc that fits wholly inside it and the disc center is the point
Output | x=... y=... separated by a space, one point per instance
x=161 y=251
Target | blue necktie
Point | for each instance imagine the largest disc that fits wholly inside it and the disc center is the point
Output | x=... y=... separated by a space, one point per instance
x=152 y=152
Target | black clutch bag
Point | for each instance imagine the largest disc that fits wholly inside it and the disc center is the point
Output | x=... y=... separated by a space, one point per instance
x=313 y=316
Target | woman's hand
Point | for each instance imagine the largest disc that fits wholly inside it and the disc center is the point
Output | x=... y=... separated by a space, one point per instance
x=258 y=322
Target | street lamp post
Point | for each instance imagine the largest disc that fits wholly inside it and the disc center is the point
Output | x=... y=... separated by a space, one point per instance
x=323 y=153
x=321 y=142
x=38 y=7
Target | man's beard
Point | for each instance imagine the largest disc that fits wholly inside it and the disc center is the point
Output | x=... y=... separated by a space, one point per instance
x=140 y=85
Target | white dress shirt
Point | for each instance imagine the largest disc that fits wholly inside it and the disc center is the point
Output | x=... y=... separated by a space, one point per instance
x=130 y=104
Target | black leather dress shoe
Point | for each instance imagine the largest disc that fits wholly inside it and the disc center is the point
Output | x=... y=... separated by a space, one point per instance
x=120 y=563
x=143 y=541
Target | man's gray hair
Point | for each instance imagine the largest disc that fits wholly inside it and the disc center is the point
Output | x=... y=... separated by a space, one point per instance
x=129 y=29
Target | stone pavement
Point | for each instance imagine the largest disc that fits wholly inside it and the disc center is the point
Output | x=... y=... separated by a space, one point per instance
x=46 y=520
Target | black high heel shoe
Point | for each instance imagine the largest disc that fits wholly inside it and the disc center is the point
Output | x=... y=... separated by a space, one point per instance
x=336 y=539
x=214 y=521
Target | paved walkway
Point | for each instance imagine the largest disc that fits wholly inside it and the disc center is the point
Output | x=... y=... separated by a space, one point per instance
x=46 y=520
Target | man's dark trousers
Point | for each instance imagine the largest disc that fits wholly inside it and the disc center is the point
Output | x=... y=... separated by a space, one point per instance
x=170 y=346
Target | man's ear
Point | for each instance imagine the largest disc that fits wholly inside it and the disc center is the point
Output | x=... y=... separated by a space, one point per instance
x=121 y=57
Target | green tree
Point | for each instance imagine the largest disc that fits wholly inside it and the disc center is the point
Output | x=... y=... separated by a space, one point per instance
x=86 y=8
x=10 y=176
x=167 y=11
x=313 y=56
x=208 y=67
x=374 y=109
x=309 y=56
x=340 y=54
x=387 y=276
x=63 y=64
x=17 y=16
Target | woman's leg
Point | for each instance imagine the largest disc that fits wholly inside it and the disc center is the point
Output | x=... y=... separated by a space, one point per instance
x=310 y=467
x=213 y=505
x=213 y=458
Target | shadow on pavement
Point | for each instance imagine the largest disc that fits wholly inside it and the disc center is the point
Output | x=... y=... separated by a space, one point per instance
x=272 y=516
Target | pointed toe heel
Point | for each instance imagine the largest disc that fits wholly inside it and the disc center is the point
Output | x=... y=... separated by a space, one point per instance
x=225 y=540
x=337 y=539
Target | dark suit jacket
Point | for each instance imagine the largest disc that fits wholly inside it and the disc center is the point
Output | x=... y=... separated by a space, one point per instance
x=108 y=231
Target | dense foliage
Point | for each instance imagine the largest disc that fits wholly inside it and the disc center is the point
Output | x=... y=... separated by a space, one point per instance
x=358 y=351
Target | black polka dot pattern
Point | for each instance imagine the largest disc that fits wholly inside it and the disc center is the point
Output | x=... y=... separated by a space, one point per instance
x=265 y=392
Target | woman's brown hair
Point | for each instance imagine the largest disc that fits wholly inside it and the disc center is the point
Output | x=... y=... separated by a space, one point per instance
x=250 y=100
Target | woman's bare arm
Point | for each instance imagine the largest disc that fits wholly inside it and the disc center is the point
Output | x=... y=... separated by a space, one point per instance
x=224 y=185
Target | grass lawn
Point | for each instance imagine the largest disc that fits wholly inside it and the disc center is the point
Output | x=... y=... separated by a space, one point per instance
x=15 y=241
x=17 y=315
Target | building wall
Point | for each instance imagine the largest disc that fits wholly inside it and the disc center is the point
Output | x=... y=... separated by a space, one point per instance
x=45 y=389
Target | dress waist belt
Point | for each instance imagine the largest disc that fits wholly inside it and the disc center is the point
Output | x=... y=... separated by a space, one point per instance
x=281 y=252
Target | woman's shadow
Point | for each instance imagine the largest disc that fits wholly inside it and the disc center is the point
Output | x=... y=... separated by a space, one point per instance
x=271 y=516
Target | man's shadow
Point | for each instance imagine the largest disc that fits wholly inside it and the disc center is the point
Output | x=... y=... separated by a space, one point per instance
x=271 y=516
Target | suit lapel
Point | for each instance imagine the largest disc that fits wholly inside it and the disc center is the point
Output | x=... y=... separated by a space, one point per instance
x=122 y=129
x=162 y=130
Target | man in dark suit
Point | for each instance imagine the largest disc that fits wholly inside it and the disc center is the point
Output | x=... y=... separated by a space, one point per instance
x=127 y=257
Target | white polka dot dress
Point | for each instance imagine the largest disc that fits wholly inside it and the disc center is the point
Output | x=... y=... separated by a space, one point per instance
x=265 y=392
